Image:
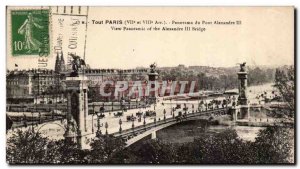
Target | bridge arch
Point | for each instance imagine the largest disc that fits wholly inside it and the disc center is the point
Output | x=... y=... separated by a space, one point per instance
x=51 y=123
x=139 y=133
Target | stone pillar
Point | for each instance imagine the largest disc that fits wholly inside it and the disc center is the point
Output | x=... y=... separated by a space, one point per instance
x=153 y=135
x=242 y=99
x=152 y=77
x=70 y=133
x=77 y=109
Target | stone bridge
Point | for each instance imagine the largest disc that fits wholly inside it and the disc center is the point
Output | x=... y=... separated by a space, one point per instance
x=137 y=133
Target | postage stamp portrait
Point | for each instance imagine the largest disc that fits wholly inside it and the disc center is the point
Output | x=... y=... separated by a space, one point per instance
x=30 y=32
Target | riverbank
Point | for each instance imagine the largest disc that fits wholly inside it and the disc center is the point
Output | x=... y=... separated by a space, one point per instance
x=188 y=131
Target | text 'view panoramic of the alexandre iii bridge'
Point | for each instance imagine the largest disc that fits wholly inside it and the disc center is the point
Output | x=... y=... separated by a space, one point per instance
x=82 y=115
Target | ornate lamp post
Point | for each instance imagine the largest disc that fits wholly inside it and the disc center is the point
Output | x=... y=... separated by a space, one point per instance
x=32 y=122
x=40 y=118
x=164 y=115
x=93 y=118
x=132 y=126
x=120 y=123
x=93 y=123
x=35 y=104
x=198 y=100
x=98 y=133
x=171 y=107
x=93 y=108
x=25 y=120
x=155 y=121
x=52 y=114
x=144 y=121
x=193 y=108
x=106 y=126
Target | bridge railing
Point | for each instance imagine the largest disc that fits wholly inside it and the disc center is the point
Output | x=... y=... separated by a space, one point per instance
x=143 y=128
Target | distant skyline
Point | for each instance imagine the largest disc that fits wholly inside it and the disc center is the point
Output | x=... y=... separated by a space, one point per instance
x=161 y=66
x=266 y=37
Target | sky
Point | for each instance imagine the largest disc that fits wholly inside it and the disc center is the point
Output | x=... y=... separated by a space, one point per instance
x=265 y=37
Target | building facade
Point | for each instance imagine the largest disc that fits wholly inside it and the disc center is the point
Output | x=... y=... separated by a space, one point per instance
x=27 y=85
x=19 y=85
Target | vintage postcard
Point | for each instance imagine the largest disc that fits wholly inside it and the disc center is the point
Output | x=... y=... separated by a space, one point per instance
x=150 y=85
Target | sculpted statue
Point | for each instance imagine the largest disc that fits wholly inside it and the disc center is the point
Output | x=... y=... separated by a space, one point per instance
x=153 y=68
x=243 y=67
x=77 y=63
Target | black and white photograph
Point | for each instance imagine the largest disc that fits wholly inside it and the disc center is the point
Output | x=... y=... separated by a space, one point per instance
x=150 y=85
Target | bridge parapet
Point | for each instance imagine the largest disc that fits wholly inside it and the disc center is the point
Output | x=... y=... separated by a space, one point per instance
x=134 y=134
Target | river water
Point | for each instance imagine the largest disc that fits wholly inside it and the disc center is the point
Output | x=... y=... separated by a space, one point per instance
x=187 y=131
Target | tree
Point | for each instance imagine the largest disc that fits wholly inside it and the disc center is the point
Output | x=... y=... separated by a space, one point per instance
x=26 y=147
x=260 y=75
x=105 y=147
x=274 y=145
x=224 y=148
x=285 y=83
x=156 y=152
x=67 y=153
x=29 y=147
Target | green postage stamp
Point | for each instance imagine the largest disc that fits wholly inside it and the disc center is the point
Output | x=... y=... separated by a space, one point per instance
x=30 y=32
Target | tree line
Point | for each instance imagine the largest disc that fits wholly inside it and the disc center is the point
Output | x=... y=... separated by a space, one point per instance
x=218 y=78
x=273 y=145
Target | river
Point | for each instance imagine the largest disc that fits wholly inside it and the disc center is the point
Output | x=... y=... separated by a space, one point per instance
x=187 y=131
